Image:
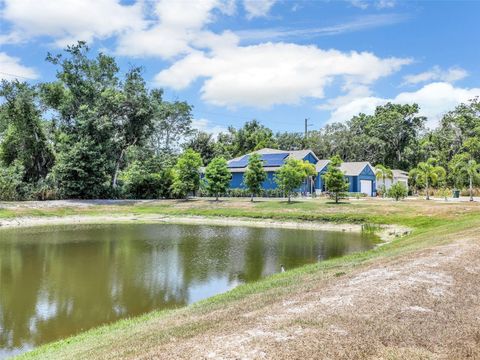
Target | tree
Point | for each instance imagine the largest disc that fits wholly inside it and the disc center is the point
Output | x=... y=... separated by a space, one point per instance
x=334 y=178
x=292 y=174
x=22 y=133
x=204 y=144
x=398 y=126
x=430 y=174
x=217 y=176
x=172 y=123
x=186 y=174
x=92 y=106
x=465 y=166
x=397 y=191
x=255 y=175
x=81 y=171
x=382 y=172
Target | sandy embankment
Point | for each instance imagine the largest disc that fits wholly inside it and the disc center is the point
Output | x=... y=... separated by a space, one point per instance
x=387 y=233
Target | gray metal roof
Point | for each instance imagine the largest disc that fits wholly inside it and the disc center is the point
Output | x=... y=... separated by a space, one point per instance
x=398 y=174
x=354 y=168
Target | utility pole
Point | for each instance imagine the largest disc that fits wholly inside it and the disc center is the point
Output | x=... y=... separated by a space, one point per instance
x=306 y=128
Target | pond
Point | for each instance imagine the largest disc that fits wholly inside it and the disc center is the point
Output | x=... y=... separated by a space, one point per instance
x=59 y=281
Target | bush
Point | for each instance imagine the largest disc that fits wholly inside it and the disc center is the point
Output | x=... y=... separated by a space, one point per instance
x=397 y=191
x=12 y=186
x=140 y=182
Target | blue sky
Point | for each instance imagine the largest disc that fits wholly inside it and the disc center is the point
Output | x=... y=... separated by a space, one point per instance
x=275 y=61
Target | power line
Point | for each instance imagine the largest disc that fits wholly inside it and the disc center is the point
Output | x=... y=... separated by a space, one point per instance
x=16 y=76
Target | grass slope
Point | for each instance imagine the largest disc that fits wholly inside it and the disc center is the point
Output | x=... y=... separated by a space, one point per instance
x=433 y=224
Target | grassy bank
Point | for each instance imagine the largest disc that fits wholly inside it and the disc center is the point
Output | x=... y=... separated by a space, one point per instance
x=433 y=224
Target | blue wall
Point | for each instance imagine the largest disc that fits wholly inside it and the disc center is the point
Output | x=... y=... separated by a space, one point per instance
x=237 y=181
x=353 y=181
x=269 y=183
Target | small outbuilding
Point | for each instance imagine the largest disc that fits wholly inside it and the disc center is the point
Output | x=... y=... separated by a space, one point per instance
x=399 y=176
x=360 y=176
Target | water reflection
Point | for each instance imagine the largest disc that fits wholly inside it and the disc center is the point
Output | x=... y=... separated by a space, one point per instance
x=55 y=282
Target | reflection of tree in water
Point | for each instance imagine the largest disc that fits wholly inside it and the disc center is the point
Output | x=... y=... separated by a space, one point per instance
x=57 y=283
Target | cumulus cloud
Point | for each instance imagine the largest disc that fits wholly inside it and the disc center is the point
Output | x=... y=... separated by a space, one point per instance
x=66 y=23
x=273 y=73
x=437 y=74
x=11 y=68
x=258 y=8
x=178 y=27
x=434 y=99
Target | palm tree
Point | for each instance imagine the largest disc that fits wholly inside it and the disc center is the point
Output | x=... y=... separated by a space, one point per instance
x=470 y=168
x=384 y=173
x=429 y=173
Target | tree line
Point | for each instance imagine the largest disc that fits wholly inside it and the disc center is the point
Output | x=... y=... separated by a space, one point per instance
x=94 y=132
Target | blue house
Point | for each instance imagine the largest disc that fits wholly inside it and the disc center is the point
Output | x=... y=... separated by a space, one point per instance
x=360 y=175
x=273 y=160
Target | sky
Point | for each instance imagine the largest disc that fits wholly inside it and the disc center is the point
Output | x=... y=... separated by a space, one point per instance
x=277 y=61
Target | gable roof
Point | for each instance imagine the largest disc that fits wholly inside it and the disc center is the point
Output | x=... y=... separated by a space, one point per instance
x=354 y=168
x=349 y=168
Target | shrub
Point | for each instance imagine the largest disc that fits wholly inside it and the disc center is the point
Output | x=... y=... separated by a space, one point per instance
x=140 y=182
x=397 y=191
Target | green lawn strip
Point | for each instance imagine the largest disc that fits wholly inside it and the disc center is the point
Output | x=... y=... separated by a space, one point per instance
x=429 y=234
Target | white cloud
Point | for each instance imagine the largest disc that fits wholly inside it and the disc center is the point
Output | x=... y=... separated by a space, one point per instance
x=178 y=28
x=379 y=4
x=72 y=21
x=357 y=24
x=258 y=8
x=207 y=126
x=10 y=69
x=273 y=73
x=437 y=74
x=434 y=99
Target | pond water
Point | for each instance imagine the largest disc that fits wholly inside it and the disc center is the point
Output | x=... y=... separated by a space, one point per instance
x=59 y=281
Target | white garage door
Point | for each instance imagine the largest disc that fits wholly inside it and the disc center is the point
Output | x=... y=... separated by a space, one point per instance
x=366 y=187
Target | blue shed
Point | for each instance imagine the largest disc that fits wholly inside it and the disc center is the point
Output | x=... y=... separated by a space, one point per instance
x=360 y=176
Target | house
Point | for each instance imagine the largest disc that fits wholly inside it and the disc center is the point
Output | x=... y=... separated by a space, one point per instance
x=360 y=175
x=273 y=160
x=399 y=176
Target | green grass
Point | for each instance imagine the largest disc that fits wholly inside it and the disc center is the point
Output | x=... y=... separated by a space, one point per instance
x=433 y=224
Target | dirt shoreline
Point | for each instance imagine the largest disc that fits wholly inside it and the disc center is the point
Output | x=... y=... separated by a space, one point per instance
x=386 y=232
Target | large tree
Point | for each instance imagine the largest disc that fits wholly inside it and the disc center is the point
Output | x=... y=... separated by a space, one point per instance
x=203 y=143
x=172 y=123
x=22 y=131
x=93 y=106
